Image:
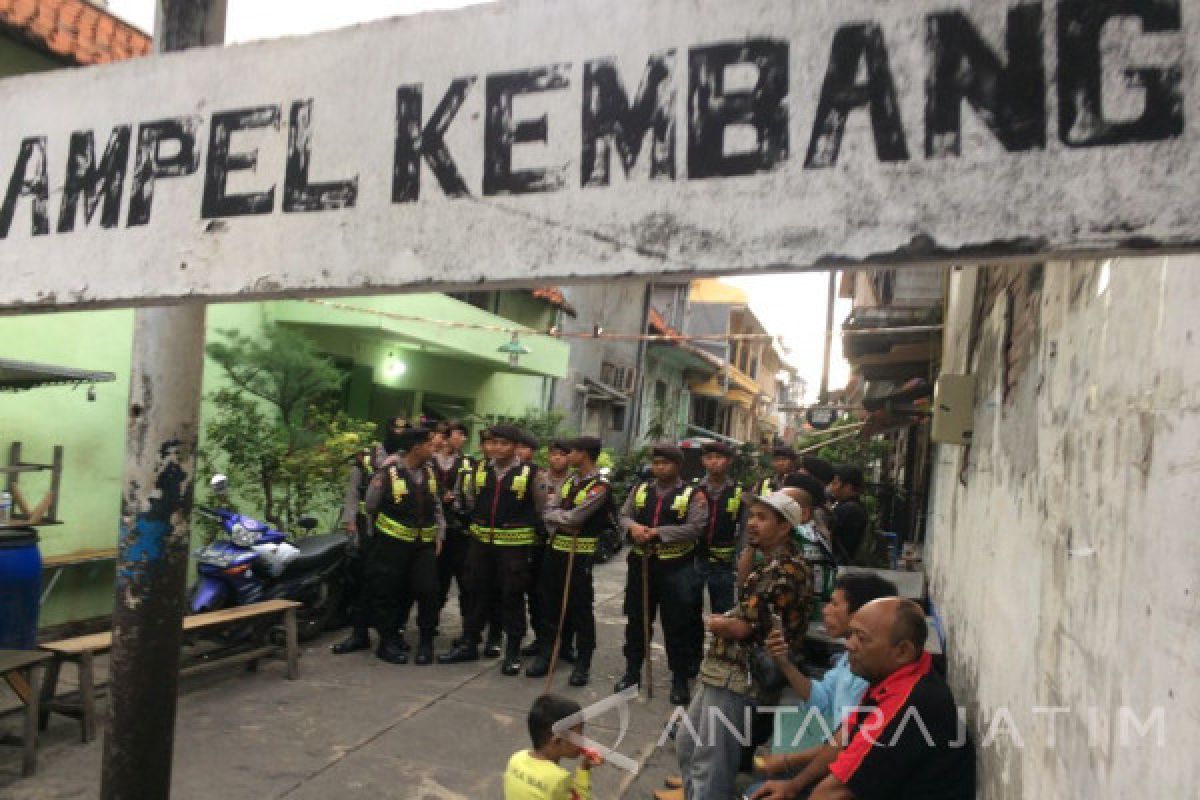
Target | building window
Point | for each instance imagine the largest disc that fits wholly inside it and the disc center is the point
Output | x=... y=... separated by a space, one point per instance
x=618 y=417
x=617 y=376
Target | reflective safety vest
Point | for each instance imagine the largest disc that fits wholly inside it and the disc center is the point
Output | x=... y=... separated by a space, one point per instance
x=720 y=534
x=505 y=513
x=651 y=510
x=406 y=510
x=574 y=492
x=766 y=486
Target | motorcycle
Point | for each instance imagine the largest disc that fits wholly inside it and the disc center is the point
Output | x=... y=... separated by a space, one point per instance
x=252 y=561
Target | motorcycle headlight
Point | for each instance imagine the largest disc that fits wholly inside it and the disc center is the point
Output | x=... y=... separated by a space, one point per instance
x=242 y=537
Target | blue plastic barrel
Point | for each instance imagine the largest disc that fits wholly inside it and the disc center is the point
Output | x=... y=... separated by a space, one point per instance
x=20 y=588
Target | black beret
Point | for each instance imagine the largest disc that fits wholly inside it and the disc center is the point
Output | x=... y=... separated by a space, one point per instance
x=667 y=451
x=586 y=443
x=783 y=451
x=411 y=437
x=509 y=433
x=720 y=448
x=819 y=468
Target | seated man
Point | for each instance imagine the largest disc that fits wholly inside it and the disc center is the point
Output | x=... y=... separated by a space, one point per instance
x=907 y=741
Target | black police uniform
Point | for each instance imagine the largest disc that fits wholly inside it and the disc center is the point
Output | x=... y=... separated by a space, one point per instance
x=355 y=599
x=504 y=520
x=672 y=582
x=402 y=558
x=592 y=495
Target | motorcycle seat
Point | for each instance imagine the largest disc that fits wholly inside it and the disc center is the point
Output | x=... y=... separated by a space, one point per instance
x=316 y=552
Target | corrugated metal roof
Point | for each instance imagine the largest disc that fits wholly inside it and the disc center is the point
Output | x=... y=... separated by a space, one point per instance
x=18 y=375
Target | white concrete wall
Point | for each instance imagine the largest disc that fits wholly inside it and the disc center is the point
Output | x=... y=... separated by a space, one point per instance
x=1067 y=565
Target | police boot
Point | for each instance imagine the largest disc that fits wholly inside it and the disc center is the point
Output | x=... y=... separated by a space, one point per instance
x=424 y=650
x=533 y=648
x=632 y=677
x=512 y=656
x=681 y=695
x=583 y=666
x=358 y=639
x=389 y=651
x=493 y=647
x=460 y=653
x=540 y=665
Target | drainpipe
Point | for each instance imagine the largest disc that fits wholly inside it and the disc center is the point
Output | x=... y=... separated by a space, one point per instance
x=167 y=368
x=824 y=395
x=634 y=421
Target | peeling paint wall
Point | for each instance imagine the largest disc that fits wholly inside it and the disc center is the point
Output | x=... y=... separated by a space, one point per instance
x=1063 y=548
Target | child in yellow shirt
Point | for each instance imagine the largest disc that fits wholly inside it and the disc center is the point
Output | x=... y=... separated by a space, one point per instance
x=534 y=774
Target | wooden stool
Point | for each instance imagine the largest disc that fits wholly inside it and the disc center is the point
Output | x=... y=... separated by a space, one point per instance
x=17 y=668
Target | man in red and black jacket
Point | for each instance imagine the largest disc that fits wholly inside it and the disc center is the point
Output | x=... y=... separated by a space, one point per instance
x=505 y=509
x=906 y=740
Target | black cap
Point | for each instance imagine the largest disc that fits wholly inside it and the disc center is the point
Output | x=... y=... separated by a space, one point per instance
x=411 y=437
x=509 y=433
x=585 y=443
x=667 y=451
x=819 y=468
x=783 y=451
x=528 y=439
x=720 y=448
x=561 y=445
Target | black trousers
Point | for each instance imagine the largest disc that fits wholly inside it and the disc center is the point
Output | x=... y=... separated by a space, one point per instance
x=397 y=569
x=673 y=589
x=534 y=594
x=355 y=597
x=580 y=618
x=495 y=568
x=452 y=567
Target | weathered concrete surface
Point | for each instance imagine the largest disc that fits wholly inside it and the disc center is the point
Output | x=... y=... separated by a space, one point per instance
x=1064 y=556
x=536 y=140
x=352 y=726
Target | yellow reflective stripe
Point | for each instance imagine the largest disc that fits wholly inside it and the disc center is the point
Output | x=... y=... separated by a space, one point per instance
x=404 y=533
x=503 y=536
x=583 y=545
x=639 y=499
x=721 y=553
x=668 y=551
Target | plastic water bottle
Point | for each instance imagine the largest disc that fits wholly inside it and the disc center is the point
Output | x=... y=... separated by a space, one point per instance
x=6 y=504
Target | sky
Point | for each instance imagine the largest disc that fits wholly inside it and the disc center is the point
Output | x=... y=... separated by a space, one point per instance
x=792 y=306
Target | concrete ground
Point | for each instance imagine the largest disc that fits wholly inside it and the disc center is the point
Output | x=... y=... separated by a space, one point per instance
x=355 y=726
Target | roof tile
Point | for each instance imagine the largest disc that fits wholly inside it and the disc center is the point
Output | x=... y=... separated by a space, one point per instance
x=75 y=30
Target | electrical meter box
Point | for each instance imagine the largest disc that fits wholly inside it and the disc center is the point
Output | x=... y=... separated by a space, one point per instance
x=953 y=409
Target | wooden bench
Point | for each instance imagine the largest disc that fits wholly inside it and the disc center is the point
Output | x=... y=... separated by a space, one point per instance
x=55 y=565
x=82 y=651
x=17 y=669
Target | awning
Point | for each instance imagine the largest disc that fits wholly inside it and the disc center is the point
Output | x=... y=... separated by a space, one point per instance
x=19 y=375
x=597 y=391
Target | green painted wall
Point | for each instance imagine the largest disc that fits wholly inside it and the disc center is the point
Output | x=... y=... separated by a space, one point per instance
x=455 y=365
x=17 y=58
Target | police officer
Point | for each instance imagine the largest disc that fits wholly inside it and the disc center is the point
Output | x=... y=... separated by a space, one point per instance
x=526 y=450
x=452 y=467
x=783 y=462
x=665 y=519
x=717 y=549
x=410 y=530
x=577 y=515
x=357 y=524
x=505 y=508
